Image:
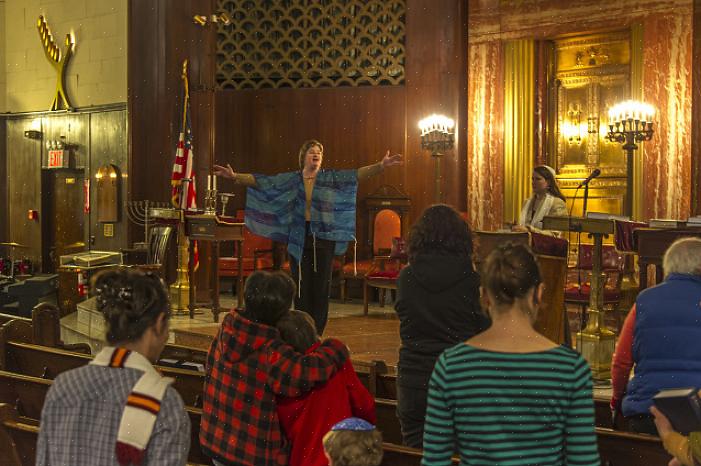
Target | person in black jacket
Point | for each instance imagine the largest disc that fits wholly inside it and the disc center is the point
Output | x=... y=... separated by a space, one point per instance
x=438 y=306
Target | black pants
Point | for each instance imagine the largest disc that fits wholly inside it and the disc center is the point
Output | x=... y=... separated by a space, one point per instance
x=313 y=294
x=411 y=411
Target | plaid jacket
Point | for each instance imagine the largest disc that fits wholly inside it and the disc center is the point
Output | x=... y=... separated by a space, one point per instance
x=247 y=366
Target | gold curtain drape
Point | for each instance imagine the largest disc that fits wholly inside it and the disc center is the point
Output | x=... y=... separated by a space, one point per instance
x=519 y=101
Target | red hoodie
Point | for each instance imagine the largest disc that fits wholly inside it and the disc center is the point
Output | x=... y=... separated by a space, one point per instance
x=306 y=419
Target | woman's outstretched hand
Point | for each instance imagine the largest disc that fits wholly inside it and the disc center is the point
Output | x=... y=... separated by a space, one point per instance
x=390 y=160
x=226 y=172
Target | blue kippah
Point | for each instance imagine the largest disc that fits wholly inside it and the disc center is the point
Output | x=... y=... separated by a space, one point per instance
x=353 y=423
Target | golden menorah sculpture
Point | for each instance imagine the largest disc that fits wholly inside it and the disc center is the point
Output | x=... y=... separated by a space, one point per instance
x=59 y=60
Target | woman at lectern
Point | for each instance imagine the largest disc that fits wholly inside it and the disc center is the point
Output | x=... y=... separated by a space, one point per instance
x=547 y=199
x=313 y=211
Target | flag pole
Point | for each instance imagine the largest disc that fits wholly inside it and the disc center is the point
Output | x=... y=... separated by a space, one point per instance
x=180 y=290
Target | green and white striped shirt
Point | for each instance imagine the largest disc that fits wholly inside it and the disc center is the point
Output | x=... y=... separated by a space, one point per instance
x=510 y=409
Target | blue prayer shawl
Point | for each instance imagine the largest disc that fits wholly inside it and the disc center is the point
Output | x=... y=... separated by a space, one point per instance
x=275 y=208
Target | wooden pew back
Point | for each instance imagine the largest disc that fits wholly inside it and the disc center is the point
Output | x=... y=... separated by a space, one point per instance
x=628 y=449
x=18 y=438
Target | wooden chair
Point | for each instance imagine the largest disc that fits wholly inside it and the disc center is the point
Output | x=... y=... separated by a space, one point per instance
x=384 y=272
x=159 y=239
x=258 y=254
x=387 y=211
x=578 y=285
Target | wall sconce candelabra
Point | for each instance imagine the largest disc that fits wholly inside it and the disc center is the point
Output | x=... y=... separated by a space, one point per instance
x=630 y=122
x=437 y=136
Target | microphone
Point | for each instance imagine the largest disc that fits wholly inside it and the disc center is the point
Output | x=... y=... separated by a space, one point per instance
x=591 y=176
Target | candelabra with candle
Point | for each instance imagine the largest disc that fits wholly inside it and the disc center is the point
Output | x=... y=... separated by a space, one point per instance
x=210 y=198
x=437 y=136
x=630 y=122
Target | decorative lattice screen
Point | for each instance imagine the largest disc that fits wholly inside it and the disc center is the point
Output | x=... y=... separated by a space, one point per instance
x=310 y=43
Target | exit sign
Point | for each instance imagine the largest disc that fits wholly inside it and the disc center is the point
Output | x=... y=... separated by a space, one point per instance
x=56 y=159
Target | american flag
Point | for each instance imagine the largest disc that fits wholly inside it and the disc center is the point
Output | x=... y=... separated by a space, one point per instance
x=182 y=180
x=184 y=193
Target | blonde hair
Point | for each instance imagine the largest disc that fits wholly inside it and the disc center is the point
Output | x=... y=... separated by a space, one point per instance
x=354 y=447
x=306 y=145
x=683 y=256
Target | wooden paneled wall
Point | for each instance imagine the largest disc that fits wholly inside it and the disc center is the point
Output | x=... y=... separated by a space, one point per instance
x=98 y=136
x=24 y=186
x=262 y=130
x=161 y=35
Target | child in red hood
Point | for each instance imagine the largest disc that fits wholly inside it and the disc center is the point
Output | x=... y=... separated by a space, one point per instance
x=306 y=419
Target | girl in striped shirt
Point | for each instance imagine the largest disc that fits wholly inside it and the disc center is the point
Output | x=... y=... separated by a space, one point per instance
x=509 y=396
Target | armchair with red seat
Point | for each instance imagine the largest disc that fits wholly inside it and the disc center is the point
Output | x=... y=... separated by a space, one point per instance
x=387 y=224
x=578 y=284
x=384 y=272
x=257 y=254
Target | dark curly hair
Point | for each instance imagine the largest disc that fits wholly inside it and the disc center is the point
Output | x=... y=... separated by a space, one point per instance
x=130 y=300
x=440 y=230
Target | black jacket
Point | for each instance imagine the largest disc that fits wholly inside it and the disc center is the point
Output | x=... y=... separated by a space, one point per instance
x=438 y=306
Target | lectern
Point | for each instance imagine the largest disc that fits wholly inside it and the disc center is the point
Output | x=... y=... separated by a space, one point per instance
x=595 y=342
x=550 y=320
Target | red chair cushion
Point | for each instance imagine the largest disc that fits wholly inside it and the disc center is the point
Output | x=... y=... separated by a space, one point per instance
x=573 y=293
x=384 y=275
x=363 y=268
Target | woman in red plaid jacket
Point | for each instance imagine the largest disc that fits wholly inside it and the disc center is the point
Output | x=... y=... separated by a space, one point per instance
x=247 y=366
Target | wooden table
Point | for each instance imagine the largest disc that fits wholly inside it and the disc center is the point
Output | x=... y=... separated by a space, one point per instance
x=212 y=229
x=652 y=243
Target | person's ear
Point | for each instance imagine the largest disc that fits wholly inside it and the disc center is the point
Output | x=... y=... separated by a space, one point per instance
x=161 y=324
x=538 y=294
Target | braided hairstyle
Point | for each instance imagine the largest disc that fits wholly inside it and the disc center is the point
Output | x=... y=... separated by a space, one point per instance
x=131 y=301
x=510 y=272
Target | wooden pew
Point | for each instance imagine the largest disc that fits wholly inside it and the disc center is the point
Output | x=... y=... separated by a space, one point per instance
x=399 y=455
x=4 y=318
x=47 y=363
x=184 y=353
x=18 y=438
x=628 y=449
x=27 y=394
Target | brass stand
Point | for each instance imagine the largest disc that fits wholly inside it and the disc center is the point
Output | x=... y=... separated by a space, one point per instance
x=180 y=290
x=596 y=342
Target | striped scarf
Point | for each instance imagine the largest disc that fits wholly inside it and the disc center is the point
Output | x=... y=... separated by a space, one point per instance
x=142 y=406
x=275 y=209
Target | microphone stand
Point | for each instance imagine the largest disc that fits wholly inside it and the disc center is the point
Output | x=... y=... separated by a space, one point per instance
x=586 y=198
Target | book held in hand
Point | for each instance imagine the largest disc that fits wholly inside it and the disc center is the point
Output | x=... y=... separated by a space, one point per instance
x=682 y=407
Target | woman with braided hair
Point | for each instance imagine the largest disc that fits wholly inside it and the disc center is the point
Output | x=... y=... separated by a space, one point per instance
x=118 y=409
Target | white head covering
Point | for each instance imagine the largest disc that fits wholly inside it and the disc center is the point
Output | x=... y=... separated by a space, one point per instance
x=550 y=169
